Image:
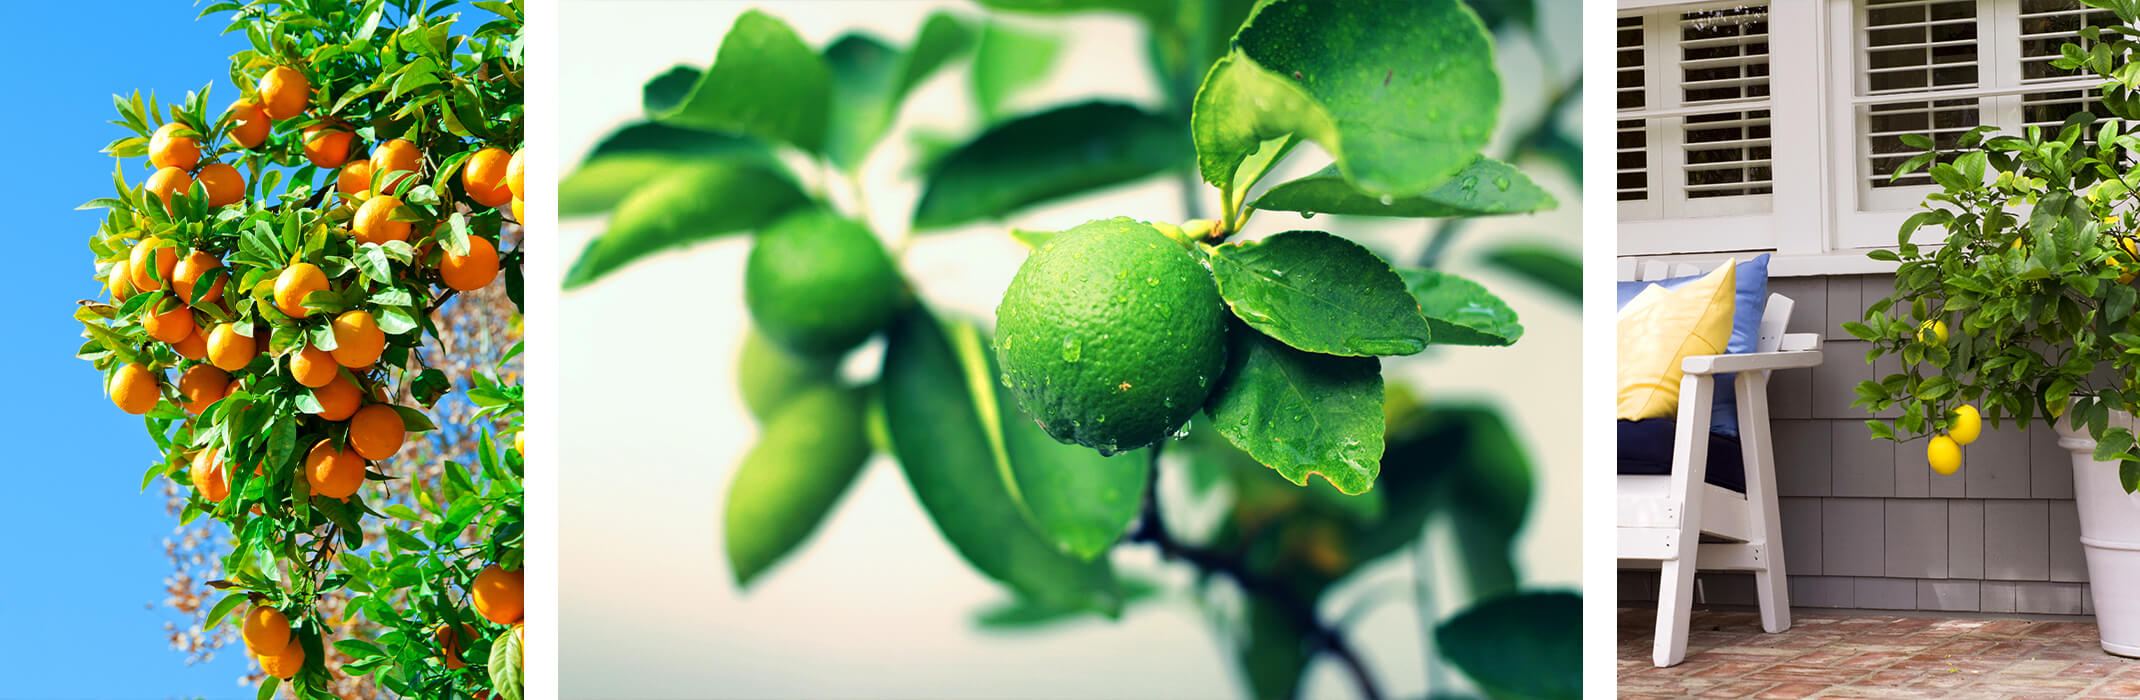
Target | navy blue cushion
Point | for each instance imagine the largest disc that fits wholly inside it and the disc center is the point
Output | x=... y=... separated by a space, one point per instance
x=1646 y=448
x=1748 y=302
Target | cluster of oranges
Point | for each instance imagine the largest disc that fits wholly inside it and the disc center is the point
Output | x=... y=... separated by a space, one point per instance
x=229 y=333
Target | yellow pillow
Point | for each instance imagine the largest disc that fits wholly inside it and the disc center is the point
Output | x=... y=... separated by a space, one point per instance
x=1668 y=327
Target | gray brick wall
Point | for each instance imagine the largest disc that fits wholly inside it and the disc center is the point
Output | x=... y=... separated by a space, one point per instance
x=1867 y=524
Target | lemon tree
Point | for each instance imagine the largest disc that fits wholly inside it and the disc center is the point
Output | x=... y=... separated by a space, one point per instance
x=1035 y=444
x=2033 y=275
x=281 y=273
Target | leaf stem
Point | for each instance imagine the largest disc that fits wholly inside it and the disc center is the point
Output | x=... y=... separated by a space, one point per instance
x=1152 y=529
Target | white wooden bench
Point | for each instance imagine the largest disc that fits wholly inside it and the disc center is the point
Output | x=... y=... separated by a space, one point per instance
x=1663 y=518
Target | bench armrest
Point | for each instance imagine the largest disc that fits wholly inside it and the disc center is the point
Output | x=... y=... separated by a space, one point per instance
x=1752 y=361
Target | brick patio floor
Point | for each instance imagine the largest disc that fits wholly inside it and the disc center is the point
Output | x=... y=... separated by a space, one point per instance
x=1874 y=656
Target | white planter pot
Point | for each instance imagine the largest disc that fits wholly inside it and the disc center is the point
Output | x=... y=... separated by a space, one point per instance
x=2110 y=534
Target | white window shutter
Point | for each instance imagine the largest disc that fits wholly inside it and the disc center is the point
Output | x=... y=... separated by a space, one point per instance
x=1723 y=57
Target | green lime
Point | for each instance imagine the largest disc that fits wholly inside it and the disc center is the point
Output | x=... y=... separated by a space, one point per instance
x=1111 y=335
x=819 y=284
x=769 y=375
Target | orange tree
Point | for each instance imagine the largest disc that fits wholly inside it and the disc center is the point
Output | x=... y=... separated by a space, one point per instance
x=273 y=271
x=1035 y=446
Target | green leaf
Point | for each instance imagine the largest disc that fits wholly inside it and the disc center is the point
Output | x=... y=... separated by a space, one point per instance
x=1275 y=654
x=1079 y=500
x=1403 y=95
x=870 y=80
x=1461 y=311
x=222 y=609
x=764 y=82
x=1320 y=293
x=1157 y=12
x=1006 y=61
x=808 y=455
x=643 y=152
x=1051 y=155
x=1519 y=646
x=1484 y=188
x=685 y=206
x=506 y=675
x=1021 y=614
x=1301 y=413
x=942 y=439
x=1550 y=267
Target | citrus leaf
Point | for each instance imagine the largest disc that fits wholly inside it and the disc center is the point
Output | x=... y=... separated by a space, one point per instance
x=1403 y=95
x=764 y=82
x=1552 y=268
x=944 y=444
x=1046 y=156
x=806 y=458
x=1320 y=293
x=1461 y=311
x=1519 y=646
x=1301 y=413
x=506 y=674
x=1485 y=187
x=1007 y=60
x=871 y=79
x=1081 y=501
x=686 y=206
x=1157 y=12
x=1022 y=614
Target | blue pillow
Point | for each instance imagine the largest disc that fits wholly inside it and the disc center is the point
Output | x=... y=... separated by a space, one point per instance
x=1748 y=302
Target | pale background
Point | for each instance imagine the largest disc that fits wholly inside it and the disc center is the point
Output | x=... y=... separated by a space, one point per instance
x=876 y=603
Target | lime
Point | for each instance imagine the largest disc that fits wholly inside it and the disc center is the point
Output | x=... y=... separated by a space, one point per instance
x=819 y=284
x=1111 y=335
x=769 y=375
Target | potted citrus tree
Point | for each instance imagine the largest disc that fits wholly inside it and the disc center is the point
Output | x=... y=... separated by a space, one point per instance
x=2034 y=279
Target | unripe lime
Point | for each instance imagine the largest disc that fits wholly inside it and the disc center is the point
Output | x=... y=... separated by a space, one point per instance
x=768 y=376
x=1111 y=335
x=818 y=284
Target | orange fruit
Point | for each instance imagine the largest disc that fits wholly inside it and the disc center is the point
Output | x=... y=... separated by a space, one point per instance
x=170 y=325
x=355 y=179
x=373 y=223
x=194 y=347
x=376 y=432
x=518 y=217
x=338 y=399
x=283 y=664
x=333 y=472
x=134 y=389
x=265 y=630
x=190 y=270
x=396 y=156
x=223 y=183
x=209 y=477
x=138 y=264
x=484 y=176
x=450 y=642
x=357 y=339
x=284 y=93
x=167 y=149
x=168 y=183
x=498 y=594
x=294 y=283
x=202 y=385
x=470 y=272
x=229 y=349
x=118 y=281
x=248 y=123
x=312 y=367
x=326 y=147
x=513 y=175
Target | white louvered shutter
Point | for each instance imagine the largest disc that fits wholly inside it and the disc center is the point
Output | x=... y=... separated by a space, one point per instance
x=1633 y=168
x=1723 y=58
x=2045 y=25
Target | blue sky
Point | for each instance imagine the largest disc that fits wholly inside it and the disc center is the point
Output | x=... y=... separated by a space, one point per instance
x=81 y=547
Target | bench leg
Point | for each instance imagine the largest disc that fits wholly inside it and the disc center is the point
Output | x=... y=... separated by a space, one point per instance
x=1675 y=607
x=1770 y=589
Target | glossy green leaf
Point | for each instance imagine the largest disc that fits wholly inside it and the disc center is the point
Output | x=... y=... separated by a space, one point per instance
x=1484 y=188
x=1550 y=267
x=808 y=455
x=1051 y=155
x=1019 y=614
x=936 y=408
x=1461 y=311
x=1403 y=95
x=1007 y=60
x=1301 y=413
x=871 y=79
x=507 y=676
x=1320 y=293
x=1519 y=646
x=1275 y=655
x=686 y=206
x=764 y=82
x=637 y=154
x=1154 y=11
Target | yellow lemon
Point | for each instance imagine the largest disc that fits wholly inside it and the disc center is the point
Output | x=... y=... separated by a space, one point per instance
x=1937 y=332
x=1966 y=426
x=1945 y=456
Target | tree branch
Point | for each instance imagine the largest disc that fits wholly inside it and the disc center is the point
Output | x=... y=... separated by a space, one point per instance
x=1152 y=529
